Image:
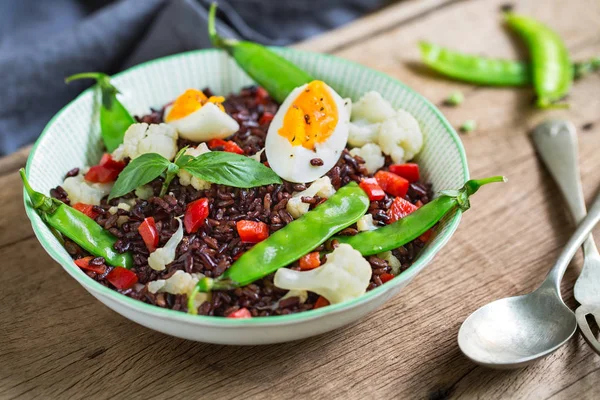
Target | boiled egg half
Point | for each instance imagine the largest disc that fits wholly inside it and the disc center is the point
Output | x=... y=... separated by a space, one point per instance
x=200 y=118
x=308 y=133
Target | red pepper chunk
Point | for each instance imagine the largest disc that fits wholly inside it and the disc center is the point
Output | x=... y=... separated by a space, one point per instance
x=426 y=236
x=409 y=171
x=386 y=277
x=106 y=171
x=110 y=163
x=84 y=263
x=195 y=215
x=228 y=146
x=149 y=233
x=321 y=302
x=372 y=189
x=400 y=208
x=261 y=95
x=252 y=231
x=310 y=261
x=241 y=313
x=266 y=118
x=392 y=183
x=87 y=209
x=122 y=278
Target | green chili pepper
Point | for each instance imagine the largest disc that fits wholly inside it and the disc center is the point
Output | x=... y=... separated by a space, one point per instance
x=274 y=73
x=414 y=225
x=552 y=72
x=76 y=226
x=474 y=69
x=294 y=240
x=114 y=117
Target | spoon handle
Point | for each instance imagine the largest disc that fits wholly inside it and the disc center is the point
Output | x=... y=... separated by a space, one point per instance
x=556 y=144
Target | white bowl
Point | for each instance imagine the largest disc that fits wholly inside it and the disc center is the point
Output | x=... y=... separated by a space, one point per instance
x=72 y=139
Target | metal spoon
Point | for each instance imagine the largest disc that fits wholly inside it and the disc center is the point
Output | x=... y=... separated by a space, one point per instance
x=556 y=143
x=515 y=331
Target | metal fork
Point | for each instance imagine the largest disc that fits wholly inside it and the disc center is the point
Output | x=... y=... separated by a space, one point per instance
x=556 y=144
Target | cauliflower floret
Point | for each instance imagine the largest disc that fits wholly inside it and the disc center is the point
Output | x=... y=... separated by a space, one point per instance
x=322 y=187
x=185 y=178
x=394 y=263
x=371 y=153
x=400 y=137
x=144 y=192
x=344 y=276
x=365 y=223
x=362 y=132
x=180 y=283
x=372 y=108
x=163 y=256
x=82 y=191
x=256 y=156
x=143 y=138
x=123 y=206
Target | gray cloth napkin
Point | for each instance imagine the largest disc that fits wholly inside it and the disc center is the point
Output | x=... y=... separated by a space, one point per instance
x=42 y=42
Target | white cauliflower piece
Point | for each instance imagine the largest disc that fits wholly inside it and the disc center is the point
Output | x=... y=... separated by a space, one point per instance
x=143 y=138
x=372 y=155
x=344 y=276
x=144 y=192
x=180 y=283
x=365 y=223
x=185 y=178
x=362 y=132
x=82 y=191
x=164 y=256
x=256 y=156
x=123 y=206
x=394 y=263
x=372 y=108
x=400 y=137
x=322 y=187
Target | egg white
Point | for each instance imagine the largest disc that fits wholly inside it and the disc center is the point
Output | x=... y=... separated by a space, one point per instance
x=292 y=163
x=204 y=124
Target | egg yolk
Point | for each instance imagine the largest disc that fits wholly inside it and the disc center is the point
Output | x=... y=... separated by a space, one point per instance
x=311 y=118
x=190 y=101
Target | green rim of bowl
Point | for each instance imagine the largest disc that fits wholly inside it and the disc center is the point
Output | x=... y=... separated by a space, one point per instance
x=423 y=259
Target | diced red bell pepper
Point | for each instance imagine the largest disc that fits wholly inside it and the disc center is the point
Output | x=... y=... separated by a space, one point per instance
x=372 y=188
x=261 y=95
x=100 y=174
x=409 y=171
x=321 y=302
x=108 y=162
x=228 y=146
x=392 y=183
x=386 y=277
x=310 y=261
x=84 y=263
x=400 y=208
x=149 y=233
x=87 y=209
x=266 y=118
x=252 y=231
x=241 y=313
x=195 y=215
x=122 y=278
x=426 y=236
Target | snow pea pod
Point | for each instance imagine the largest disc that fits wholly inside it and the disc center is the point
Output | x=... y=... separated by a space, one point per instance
x=77 y=226
x=415 y=224
x=114 y=117
x=274 y=73
x=475 y=69
x=294 y=240
x=552 y=73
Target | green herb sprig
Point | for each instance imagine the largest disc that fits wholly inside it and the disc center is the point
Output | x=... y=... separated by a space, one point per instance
x=216 y=167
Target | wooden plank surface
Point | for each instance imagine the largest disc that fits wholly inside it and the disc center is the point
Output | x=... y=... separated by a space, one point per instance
x=58 y=342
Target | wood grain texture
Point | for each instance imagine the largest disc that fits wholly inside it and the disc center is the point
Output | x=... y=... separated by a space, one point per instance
x=58 y=342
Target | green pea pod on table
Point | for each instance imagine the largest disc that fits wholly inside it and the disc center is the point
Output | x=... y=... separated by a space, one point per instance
x=415 y=224
x=274 y=73
x=77 y=226
x=114 y=117
x=552 y=72
x=293 y=241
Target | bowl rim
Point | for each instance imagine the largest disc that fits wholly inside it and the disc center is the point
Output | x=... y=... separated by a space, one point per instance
x=148 y=309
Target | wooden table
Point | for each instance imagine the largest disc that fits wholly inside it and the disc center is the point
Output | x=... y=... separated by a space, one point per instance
x=56 y=341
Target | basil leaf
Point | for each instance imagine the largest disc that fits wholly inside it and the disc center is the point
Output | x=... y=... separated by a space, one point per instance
x=138 y=172
x=231 y=169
